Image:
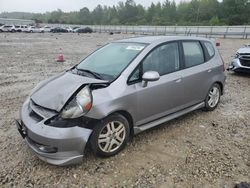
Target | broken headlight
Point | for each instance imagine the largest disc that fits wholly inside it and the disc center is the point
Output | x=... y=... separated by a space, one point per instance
x=79 y=105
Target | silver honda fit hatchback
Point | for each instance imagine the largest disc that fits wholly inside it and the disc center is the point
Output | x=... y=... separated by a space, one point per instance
x=118 y=91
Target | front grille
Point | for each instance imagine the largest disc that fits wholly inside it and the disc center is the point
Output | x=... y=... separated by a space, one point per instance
x=35 y=116
x=245 y=60
x=40 y=111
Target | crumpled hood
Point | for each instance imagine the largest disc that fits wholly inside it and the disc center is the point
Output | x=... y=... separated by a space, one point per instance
x=55 y=92
x=244 y=50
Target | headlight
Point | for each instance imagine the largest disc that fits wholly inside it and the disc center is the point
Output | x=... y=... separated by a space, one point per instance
x=79 y=105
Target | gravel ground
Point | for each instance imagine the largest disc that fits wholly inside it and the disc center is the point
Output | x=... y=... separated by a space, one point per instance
x=201 y=149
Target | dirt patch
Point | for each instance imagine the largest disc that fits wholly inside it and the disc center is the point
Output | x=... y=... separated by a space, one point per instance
x=201 y=149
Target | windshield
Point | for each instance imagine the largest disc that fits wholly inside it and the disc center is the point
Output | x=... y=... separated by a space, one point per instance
x=110 y=60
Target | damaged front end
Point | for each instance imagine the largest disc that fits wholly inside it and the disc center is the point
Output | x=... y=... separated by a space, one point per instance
x=51 y=119
x=241 y=61
x=55 y=145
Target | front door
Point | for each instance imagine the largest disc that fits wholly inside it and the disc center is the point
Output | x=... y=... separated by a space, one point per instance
x=164 y=96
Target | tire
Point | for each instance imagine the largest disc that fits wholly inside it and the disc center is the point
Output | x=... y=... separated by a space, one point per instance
x=115 y=135
x=213 y=97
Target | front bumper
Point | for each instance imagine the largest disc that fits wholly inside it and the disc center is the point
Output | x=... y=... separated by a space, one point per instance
x=235 y=65
x=58 y=146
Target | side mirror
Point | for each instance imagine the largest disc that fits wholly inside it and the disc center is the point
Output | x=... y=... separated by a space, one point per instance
x=149 y=76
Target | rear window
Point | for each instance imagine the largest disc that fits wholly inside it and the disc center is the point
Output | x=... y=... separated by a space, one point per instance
x=193 y=53
x=210 y=49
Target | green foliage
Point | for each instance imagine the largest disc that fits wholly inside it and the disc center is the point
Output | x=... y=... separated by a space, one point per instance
x=214 y=20
x=84 y=16
x=194 y=12
x=236 y=12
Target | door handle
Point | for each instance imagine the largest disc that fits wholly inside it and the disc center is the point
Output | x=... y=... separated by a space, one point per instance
x=178 y=80
x=210 y=70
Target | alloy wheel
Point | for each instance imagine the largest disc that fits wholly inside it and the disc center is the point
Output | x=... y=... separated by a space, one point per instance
x=213 y=97
x=111 y=136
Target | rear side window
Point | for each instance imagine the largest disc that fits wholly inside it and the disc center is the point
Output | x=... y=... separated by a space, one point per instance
x=210 y=49
x=193 y=53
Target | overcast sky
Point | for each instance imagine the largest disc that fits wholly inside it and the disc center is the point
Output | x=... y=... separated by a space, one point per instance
x=42 y=6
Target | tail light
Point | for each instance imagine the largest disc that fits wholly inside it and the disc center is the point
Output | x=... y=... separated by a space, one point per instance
x=223 y=62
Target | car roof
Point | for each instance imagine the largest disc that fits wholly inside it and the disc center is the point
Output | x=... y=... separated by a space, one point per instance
x=159 y=39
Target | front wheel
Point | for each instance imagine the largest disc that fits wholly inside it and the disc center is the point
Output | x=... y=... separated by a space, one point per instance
x=213 y=97
x=110 y=136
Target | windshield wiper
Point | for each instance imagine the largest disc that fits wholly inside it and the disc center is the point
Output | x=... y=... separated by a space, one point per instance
x=95 y=74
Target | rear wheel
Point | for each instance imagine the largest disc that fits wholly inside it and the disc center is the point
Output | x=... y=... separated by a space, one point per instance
x=213 y=97
x=110 y=136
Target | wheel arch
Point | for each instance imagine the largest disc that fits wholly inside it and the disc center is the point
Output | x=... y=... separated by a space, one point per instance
x=216 y=82
x=221 y=86
x=128 y=116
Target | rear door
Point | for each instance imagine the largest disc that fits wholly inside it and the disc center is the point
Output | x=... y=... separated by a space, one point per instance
x=197 y=72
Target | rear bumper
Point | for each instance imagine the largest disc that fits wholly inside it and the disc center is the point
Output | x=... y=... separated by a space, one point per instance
x=58 y=146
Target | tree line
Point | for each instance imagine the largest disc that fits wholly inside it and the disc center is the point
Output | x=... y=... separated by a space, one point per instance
x=194 y=12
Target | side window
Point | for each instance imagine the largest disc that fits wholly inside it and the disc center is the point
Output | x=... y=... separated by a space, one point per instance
x=164 y=59
x=193 y=53
x=210 y=49
x=135 y=76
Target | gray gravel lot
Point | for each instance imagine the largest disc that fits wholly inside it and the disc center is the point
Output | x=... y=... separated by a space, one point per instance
x=201 y=149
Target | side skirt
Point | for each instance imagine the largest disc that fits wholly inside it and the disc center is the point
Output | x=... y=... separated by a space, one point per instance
x=156 y=122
